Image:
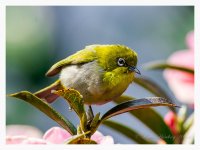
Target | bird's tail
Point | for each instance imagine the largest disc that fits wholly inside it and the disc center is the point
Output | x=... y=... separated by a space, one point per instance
x=46 y=93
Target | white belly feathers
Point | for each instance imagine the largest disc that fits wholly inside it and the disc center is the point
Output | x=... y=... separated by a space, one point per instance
x=85 y=78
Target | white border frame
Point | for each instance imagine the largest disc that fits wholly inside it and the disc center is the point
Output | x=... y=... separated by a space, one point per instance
x=98 y=2
x=4 y=3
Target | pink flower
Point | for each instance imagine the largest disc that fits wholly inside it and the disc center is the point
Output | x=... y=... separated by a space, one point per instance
x=161 y=141
x=101 y=139
x=54 y=135
x=171 y=120
x=30 y=131
x=18 y=134
x=182 y=83
x=190 y=40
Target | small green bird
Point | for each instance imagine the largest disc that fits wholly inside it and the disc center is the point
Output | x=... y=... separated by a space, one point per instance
x=101 y=73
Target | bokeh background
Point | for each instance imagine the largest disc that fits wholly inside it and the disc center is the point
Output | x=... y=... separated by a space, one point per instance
x=37 y=37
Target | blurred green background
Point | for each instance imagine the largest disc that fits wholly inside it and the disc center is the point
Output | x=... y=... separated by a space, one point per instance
x=37 y=37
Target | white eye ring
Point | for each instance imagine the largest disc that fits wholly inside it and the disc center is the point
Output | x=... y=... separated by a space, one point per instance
x=121 y=62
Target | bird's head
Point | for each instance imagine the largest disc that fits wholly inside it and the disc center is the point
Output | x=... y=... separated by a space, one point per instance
x=118 y=58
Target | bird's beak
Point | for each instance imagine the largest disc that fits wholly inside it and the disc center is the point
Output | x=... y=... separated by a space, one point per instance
x=134 y=69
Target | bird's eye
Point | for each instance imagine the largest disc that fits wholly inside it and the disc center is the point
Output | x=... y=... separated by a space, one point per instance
x=121 y=62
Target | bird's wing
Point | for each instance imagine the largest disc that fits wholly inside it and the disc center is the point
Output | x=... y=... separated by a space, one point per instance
x=80 y=57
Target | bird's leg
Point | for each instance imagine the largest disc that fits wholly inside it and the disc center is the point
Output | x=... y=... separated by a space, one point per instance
x=90 y=114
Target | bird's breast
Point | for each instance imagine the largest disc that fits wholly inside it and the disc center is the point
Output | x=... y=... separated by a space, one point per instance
x=86 y=78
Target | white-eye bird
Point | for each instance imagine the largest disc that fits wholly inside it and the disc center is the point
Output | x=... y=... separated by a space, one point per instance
x=101 y=73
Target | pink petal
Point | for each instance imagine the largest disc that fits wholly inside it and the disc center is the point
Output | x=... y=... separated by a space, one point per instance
x=56 y=135
x=23 y=130
x=34 y=141
x=181 y=83
x=161 y=141
x=101 y=139
x=15 y=139
x=97 y=136
x=190 y=40
x=183 y=58
x=107 y=140
x=171 y=120
x=24 y=140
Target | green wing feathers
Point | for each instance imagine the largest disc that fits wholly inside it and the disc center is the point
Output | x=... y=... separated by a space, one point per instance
x=80 y=57
x=83 y=56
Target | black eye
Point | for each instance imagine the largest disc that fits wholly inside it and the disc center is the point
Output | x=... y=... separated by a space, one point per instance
x=121 y=62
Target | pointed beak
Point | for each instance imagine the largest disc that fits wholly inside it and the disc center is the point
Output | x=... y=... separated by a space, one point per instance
x=134 y=69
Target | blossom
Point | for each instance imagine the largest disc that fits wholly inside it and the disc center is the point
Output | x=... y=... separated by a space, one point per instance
x=23 y=134
x=171 y=121
x=30 y=131
x=182 y=83
x=161 y=141
x=54 y=135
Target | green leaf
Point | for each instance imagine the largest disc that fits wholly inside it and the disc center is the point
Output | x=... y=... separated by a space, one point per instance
x=94 y=124
x=123 y=98
x=136 y=104
x=188 y=123
x=74 y=98
x=128 y=132
x=181 y=116
x=188 y=137
x=153 y=88
x=83 y=123
x=164 y=65
x=153 y=120
x=79 y=129
x=46 y=109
